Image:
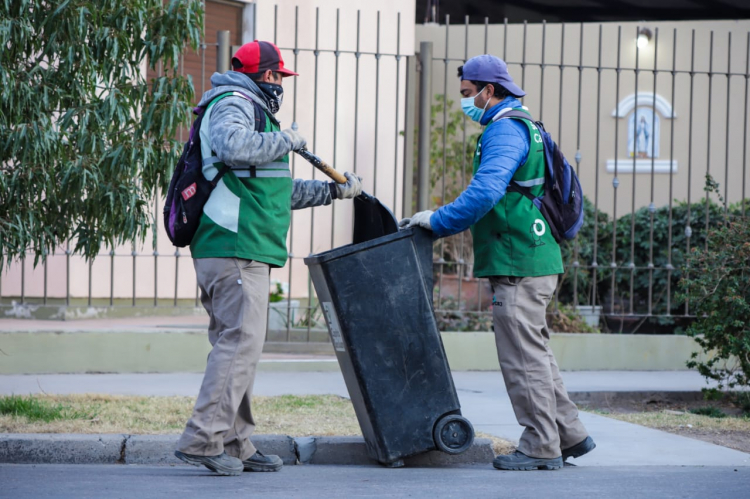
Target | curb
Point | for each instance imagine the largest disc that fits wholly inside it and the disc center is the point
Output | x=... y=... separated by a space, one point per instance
x=60 y=448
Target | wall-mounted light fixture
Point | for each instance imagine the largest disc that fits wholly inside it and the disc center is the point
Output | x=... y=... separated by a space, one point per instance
x=644 y=37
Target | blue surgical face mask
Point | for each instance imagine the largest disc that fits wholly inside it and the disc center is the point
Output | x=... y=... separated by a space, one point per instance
x=473 y=112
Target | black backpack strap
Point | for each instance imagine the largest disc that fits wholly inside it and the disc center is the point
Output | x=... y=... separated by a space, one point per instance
x=260 y=117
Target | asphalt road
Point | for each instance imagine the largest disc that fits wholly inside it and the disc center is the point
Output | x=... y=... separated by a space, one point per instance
x=143 y=482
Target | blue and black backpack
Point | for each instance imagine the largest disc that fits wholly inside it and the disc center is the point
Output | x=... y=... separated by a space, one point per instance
x=562 y=201
x=189 y=189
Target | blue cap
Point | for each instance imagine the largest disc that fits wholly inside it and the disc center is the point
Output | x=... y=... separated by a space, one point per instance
x=492 y=70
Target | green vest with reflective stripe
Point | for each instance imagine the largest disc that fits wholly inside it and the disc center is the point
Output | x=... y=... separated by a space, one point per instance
x=249 y=212
x=513 y=239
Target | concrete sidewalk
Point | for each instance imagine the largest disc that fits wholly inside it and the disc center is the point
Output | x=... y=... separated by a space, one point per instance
x=483 y=399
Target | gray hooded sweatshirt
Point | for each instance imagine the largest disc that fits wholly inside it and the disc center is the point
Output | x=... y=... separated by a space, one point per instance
x=237 y=144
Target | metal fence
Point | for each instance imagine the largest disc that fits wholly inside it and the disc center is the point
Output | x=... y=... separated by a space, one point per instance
x=624 y=266
x=626 y=269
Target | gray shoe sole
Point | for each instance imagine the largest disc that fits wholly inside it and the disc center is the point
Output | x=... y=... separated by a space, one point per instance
x=539 y=464
x=208 y=463
x=580 y=449
x=262 y=468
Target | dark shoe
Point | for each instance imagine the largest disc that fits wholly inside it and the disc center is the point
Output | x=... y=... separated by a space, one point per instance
x=259 y=462
x=520 y=461
x=579 y=449
x=221 y=464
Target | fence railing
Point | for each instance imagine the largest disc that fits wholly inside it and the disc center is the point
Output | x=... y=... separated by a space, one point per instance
x=681 y=100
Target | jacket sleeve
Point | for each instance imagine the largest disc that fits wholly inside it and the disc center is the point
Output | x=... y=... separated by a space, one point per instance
x=309 y=193
x=234 y=139
x=505 y=146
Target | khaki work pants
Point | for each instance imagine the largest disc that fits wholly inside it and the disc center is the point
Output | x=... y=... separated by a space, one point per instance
x=234 y=292
x=533 y=381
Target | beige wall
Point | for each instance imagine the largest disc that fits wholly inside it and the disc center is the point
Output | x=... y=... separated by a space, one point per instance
x=313 y=230
x=548 y=105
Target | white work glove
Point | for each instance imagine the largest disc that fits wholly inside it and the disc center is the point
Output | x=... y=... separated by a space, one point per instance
x=351 y=189
x=421 y=219
x=297 y=140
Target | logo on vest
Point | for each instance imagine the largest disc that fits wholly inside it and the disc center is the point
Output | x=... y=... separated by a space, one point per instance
x=189 y=191
x=537 y=230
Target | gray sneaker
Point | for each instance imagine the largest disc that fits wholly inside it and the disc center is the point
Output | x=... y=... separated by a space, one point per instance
x=221 y=464
x=520 y=461
x=578 y=450
x=261 y=462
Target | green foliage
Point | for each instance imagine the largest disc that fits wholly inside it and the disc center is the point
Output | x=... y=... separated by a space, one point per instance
x=711 y=412
x=718 y=287
x=277 y=294
x=567 y=319
x=85 y=140
x=682 y=215
x=34 y=409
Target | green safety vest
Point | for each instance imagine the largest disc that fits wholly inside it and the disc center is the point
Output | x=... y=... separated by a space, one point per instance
x=513 y=239
x=248 y=213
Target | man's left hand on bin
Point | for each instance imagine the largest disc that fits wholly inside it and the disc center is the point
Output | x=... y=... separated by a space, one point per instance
x=420 y=219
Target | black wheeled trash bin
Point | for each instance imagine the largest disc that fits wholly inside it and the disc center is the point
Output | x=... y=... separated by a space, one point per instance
x=377 y=300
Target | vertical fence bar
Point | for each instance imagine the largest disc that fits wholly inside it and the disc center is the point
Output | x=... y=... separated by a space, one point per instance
x=134 y=254
x=294 y=167
x=44 y=253
x=631 y=264
x=441 y=259
x=523 y=57
x=316 y=53
x=541 y=74
x=576 y=263
x=23 y=280
x=744 y=132
x=505 y=39
x=594 y=258
x=615 y=181
x=726 y=150
x=396 y=132
x=460 y=262
x=486 y=32
x=357 y=55
x=688 y=229
x=562 y=84
x=223 y=50
x=708 y=132
x=377 y=110
x=67 y=273
x=156 y=252
x=112 y=277
x=176 y=274
x=91 y=264
x=671 y=178
x=651 y=206
x=425 y=108
x=410 y=120
x=335 y=121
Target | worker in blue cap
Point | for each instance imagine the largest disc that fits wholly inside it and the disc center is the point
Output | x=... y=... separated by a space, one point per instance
x=515 y=249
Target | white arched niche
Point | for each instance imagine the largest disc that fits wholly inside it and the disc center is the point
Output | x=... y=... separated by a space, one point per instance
x=643 y=113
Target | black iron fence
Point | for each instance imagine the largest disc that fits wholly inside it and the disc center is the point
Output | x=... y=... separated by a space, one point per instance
x=680 y=104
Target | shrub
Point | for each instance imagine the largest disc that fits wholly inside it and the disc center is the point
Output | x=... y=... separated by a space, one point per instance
x=716 y=282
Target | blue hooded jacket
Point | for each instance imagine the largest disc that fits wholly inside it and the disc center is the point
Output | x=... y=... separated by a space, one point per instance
x=505 y=147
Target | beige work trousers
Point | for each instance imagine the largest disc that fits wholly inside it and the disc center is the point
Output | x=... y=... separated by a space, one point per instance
x=234 y=292
x=531 y=375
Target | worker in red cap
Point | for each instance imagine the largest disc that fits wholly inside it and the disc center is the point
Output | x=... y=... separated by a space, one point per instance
x=241 y=236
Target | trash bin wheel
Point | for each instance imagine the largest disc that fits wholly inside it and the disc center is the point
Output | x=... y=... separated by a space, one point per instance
x=453 y=434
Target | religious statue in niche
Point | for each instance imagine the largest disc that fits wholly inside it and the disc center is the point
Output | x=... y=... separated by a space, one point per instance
x=644 y=112
x=643 y=133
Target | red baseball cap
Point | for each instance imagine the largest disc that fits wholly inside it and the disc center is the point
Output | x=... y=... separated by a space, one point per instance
x=258 y=57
